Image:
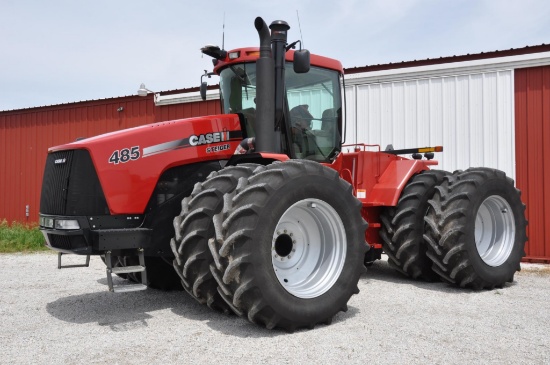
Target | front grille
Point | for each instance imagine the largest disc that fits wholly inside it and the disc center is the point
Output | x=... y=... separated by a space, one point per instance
x=53 y=198
x=71 y=186
x=85 y=196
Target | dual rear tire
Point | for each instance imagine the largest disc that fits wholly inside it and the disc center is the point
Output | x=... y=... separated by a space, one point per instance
x=403 y=227
x=475 y=229
x=467 y=228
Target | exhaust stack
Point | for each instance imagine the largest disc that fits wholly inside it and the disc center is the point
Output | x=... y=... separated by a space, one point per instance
x=265 y=92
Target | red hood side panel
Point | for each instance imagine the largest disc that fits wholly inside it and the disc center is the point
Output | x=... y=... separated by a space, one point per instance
x=129 y=162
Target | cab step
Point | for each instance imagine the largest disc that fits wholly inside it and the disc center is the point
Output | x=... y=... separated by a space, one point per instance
x=127 y=269
x=128 y=288
x=123 y=288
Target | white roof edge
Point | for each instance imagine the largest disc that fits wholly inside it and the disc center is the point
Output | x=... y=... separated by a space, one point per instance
x=190 y=97
x=496 y=63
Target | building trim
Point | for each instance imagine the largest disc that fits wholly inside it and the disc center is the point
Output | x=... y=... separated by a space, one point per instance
x=450 y=69
x=189 y=97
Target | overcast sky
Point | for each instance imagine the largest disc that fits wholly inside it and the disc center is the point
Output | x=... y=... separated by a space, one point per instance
x=57 y=51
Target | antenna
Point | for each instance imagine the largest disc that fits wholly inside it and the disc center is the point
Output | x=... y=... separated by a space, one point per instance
x=223 y=32
x=300 y=26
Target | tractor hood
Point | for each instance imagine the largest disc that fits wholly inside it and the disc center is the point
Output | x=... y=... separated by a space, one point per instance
x=129 y=162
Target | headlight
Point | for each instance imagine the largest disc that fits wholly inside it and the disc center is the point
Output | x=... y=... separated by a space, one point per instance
x=66 y=224
x=46 y=222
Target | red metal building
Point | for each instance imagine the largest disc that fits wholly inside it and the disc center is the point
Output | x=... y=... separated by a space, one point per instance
x=532 y=102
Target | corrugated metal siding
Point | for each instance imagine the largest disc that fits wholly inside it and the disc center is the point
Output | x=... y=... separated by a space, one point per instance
x=26 y=135
x=470 y=115
x=187 y=110
x=350 y=113
x=532 y=99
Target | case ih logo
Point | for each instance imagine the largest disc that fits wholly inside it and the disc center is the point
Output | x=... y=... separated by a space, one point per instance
x=193 y=141
x=208 y=138
x=60 y=161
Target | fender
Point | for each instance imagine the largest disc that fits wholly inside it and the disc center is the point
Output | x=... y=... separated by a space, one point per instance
x=393 y=180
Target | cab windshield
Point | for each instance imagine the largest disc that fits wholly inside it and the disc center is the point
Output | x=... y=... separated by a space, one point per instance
x=313 y=100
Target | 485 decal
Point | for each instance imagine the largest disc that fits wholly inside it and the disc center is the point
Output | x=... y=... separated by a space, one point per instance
x=124 y=155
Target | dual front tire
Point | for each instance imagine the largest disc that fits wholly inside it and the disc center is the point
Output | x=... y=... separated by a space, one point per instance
x=281 y=245
x=194 y=227
x=289 y=246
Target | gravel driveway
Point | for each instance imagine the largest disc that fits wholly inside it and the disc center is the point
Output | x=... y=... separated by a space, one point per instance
x=67 y=317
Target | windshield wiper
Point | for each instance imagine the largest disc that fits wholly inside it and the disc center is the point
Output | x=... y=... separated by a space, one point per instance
x=241 y=74
x=243 y=77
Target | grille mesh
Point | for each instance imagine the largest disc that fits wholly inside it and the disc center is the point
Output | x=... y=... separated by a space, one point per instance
x=53 y=197
x=57 y=241
x=71 y=187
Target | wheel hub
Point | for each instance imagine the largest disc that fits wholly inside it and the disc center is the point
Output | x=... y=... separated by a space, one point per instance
x=284 y=245
x=308 y=248
x=495 y=230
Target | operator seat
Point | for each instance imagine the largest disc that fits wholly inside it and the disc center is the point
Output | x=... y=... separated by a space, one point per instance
x=300 y=119
x=329 y=120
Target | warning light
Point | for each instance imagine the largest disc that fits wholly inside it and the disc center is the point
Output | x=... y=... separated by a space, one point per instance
x=234 y=55
x=416 y=150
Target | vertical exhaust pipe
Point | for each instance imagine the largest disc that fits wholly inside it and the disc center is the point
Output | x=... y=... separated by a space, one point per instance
x=265 y=92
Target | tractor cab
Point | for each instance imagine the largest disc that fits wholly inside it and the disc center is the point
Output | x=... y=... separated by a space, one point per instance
x=310 y=120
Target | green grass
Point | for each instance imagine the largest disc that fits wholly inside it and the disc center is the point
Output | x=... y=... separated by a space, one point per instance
x=19 y=237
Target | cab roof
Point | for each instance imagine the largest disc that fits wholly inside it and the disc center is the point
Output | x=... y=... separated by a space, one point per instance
x=251 y=54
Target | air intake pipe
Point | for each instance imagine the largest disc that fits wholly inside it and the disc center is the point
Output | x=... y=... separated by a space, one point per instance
x=279 y=31
x=266 y=140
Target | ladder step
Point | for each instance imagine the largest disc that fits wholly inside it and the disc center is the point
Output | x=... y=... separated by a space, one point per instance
x=127 y=269
x=128 y=288
x=59 y=266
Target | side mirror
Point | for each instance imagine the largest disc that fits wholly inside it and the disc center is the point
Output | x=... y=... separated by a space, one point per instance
x=204 y=86
x=301 y=61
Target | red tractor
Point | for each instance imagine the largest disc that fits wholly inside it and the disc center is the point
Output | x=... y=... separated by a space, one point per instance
x=274 y=220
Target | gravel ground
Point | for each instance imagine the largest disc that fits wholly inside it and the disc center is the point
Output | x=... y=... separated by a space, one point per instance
x=67 y=316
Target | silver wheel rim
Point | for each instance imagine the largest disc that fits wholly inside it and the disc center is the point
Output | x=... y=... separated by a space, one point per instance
x=308 y=248
x=495 y=230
